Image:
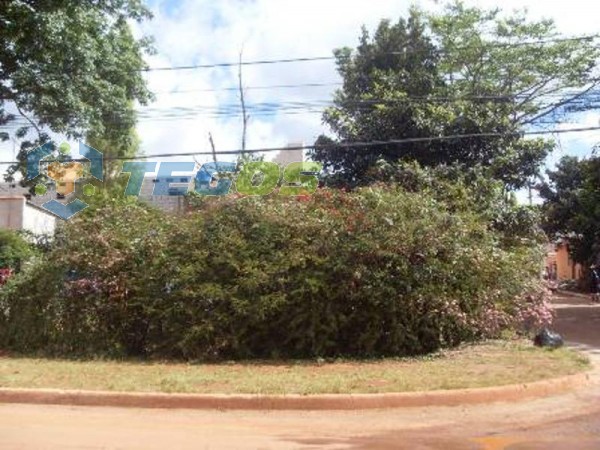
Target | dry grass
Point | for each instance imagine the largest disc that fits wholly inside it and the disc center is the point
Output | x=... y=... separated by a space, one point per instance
x=490 y=364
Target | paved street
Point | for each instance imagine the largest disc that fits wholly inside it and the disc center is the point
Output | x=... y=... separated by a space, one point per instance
x=568 y=421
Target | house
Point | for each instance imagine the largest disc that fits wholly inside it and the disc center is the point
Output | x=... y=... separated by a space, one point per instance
x=19 y=212
x=559 y=265
x=165 y=192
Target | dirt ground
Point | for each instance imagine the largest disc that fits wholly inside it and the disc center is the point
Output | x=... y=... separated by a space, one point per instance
x=567 y=421
x=577 y=319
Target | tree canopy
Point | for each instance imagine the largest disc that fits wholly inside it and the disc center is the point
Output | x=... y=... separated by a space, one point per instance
x=464 y=71
x=71 y=67
x=572 y=206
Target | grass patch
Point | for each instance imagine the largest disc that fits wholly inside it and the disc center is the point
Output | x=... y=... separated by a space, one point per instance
x=489 y=364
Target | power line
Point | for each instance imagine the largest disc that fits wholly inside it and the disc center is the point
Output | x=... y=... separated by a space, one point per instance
x=329 y=58
x=252 y=88
x=349 y=144
x=367 y=102
x=296 y=107
x=236 y=64
x=375 y=143
x=313 y=107
x=187 y=116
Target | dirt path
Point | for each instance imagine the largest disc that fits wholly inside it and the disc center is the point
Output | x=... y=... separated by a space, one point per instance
x=569 y=421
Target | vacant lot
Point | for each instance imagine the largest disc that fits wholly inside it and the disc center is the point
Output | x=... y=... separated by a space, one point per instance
x=490 y=364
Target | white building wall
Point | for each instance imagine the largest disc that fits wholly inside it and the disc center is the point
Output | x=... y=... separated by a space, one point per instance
x=285 y=157
x=16 y=214
x=175 y=204
x=38 y=221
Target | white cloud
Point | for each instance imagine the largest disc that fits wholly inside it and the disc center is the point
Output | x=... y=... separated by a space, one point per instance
x=205 y=32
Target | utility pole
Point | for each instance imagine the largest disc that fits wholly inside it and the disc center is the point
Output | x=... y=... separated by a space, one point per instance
x=243 y=103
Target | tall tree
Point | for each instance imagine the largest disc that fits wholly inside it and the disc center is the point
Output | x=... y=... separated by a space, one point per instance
x=572 y=206
x=114 y=148
x=71 y=67
x=466 y=71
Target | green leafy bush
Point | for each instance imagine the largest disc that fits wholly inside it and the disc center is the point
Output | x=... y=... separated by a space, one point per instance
x=14 y=249
x=379 y=271
x=463 y=188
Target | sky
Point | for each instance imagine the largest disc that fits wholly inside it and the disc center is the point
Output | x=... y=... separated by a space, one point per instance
x=214 y=31
x=206 y=32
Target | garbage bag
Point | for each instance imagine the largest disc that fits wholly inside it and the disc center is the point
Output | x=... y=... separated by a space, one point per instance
x=547 y=338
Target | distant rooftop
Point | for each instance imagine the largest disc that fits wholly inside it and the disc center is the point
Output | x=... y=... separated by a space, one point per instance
x=16 y=190
x=12 y=190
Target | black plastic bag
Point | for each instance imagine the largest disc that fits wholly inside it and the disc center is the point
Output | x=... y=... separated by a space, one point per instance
x=547 y=338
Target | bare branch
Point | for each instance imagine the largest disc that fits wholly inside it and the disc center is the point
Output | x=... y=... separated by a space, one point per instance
x=243 y=102
x=533 y=91
x=33 y=124
x=554 y=107
x=212 y=146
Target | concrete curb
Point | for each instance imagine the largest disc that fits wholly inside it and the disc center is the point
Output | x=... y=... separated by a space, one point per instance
x=509 y=393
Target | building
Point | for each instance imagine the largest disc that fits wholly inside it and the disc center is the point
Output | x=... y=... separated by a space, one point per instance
x=294 y=154
x=19 y=212
x=559 y=265
x=165 y=192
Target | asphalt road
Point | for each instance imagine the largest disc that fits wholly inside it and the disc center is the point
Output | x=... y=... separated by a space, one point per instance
x=569 y=421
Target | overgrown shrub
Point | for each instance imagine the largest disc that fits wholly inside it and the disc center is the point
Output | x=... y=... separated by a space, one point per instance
x=379 y=271
x=470 y=189
x=14 y=249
